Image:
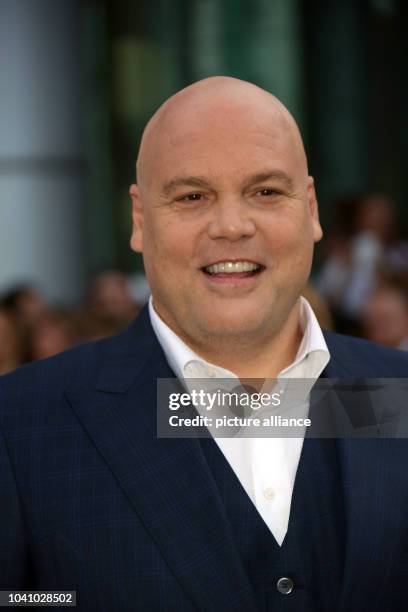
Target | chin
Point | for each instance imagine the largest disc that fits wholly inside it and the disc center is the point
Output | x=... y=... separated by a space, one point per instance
x=233 y=322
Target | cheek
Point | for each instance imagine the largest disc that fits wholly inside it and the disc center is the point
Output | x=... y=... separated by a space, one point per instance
x=174 y=239
x=157 y=241
x=167 y=253
x=291 y=237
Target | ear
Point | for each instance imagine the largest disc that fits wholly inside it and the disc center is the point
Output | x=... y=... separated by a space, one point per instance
x=136 y=239
x=314 y=209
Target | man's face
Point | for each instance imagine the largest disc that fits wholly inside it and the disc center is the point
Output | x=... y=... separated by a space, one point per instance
x=225 y=193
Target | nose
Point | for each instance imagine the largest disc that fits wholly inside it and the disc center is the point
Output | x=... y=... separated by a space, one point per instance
x=231 y=220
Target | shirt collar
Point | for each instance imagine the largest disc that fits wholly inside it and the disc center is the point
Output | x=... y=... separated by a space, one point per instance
x=184 y=361
x=178 y=354
x=312 y=344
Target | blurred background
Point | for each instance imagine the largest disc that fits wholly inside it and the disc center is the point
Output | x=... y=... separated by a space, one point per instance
x=79 y=80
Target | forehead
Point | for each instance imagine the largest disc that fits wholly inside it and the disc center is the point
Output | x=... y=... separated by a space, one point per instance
x=221 y=142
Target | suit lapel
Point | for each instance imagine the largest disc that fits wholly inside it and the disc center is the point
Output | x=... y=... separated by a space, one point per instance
x=166 y=480
x=375 y=490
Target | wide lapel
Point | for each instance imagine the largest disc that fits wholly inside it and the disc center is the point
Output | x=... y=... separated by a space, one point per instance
x=167 y=480
x=375 y=490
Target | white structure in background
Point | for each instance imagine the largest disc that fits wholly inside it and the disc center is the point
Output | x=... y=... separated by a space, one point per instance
x=41 y=166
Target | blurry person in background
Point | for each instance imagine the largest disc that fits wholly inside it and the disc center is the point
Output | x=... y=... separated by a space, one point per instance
x=333 y=279
x=26 y=303
x=43 y=330
x=374 y=225
x=11 y=350
x=52 y=333
x=110 y=300
x=385 y=316
x=364 y=242
x=375 y=245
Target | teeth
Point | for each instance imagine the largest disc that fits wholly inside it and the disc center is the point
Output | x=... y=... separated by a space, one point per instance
x=232 y=267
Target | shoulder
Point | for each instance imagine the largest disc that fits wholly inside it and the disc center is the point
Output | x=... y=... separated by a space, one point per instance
x=74 y=365
x=42 y=385
x=364 y=358
x=35 y=393
x=82 y=365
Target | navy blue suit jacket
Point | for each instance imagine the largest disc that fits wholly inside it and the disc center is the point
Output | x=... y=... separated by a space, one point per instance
x=92 y=501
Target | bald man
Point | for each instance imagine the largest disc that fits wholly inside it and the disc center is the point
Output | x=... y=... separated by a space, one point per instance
x=222 y=179
x=95 y=500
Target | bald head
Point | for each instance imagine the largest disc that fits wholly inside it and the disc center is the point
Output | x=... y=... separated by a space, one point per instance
x=222 y=180
x=216 y=101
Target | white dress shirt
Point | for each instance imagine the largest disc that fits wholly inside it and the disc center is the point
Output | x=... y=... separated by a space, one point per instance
x=265 y=467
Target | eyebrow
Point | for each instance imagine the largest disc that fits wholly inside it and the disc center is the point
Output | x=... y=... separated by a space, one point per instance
x=198 y=181
x=271 y=175
x=185 y=181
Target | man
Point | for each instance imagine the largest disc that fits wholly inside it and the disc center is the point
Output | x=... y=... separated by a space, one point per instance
x=226 y=217
x=385 y=315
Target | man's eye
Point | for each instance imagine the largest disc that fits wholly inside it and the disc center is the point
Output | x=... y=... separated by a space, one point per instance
x=191 y=197
x=267 y=191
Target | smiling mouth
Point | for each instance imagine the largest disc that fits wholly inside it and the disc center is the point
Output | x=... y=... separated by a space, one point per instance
x=233 y=269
